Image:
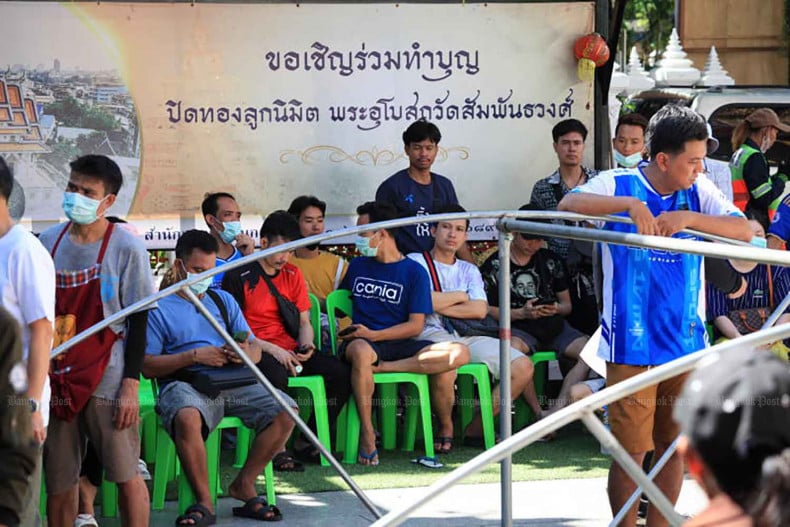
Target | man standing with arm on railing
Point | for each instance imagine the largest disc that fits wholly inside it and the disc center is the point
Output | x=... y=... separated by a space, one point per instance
x=99 y=271
x=653 y=308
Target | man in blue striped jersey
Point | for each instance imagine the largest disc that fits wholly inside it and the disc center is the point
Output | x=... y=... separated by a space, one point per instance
x=653 y=303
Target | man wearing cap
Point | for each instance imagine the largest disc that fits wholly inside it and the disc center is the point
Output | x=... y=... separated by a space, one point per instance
x=754 y=189
x=734 y=414
x=653 y=301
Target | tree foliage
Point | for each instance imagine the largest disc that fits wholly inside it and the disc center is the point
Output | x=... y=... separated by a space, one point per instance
x=651 y=22
x=70 y=112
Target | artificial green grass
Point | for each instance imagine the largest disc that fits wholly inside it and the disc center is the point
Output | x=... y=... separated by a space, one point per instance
x=573 y=454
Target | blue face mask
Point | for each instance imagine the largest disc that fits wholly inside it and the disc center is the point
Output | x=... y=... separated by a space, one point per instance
x=762 y=243
x=627 y=161
x=80 y=209
x=200 y=287
x=232 y=229
x=364 y=248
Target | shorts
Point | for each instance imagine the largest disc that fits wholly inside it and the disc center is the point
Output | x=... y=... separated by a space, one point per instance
x=391 y=350
x=481 y=349
x=64 y=449
x=643 y=419
x=252 y=404
x=559 y=343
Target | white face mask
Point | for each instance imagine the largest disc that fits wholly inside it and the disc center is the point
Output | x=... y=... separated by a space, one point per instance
x=765 y=144
x=627 y=161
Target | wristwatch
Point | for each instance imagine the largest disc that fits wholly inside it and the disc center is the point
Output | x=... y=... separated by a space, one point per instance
x=34 y=405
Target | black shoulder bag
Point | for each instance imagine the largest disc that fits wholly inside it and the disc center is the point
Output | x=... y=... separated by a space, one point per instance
x=210 y=380
x=465 y=327
x=289 y=313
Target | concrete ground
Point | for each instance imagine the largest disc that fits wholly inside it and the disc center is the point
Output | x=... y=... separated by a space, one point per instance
x=566 y=503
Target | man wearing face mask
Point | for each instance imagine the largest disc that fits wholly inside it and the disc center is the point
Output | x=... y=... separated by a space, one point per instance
x=223 y=217
x=628 y=144
x=391 y=296
x=182 y=350
x=754 y=189
x=100 y=270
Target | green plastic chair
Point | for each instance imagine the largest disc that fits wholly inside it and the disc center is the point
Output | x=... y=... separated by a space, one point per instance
x=524 y=414
x=315 y=319
x=469 y=375
x=340 y=301
x=147 y=420
x=313 y=384
x=166 y=466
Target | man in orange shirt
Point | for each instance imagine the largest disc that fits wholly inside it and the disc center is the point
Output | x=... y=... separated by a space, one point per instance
x=272 y=294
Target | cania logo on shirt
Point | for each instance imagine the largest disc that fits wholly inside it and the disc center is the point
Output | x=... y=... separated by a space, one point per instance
x=379 y=289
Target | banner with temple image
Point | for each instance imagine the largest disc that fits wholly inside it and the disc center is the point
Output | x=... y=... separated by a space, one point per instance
x=271 y=101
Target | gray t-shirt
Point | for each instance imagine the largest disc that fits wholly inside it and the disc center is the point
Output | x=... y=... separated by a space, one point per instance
x=126 y=278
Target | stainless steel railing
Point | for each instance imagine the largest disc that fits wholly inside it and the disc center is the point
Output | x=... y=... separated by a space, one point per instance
x=581 y=410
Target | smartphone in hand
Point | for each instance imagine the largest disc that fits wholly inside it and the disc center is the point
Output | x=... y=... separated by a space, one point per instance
x=348 y=331
x=241 y=336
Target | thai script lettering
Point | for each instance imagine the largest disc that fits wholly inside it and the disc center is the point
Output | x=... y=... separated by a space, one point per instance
x=384 y=109
x=433 y=65
x=293 y=111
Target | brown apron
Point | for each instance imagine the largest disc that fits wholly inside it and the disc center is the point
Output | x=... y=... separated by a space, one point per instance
x=77 y=372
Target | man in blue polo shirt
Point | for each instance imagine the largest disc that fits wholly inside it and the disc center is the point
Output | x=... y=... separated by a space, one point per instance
x=182 y=344
x=416 y=191
x=391 y=297
x=653 y=303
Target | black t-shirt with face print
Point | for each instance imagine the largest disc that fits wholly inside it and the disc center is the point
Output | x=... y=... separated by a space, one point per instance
x=542 y=278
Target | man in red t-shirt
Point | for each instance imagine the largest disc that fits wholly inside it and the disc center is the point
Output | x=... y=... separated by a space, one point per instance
x=289 y=348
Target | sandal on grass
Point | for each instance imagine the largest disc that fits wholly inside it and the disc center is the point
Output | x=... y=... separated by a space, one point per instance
x=284 y=462
x=443 y=445
x=371 y=460
x=196 y=515
x=257 y=508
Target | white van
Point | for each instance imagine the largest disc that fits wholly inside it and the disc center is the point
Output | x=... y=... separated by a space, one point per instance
x=724 y=108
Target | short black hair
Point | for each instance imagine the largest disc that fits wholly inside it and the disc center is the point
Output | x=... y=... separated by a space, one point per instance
x=420 y=131
x=533 y=207
x=280 y=224
x=567 y=126
x=378 y=211
x=102 y=168
x=671 y=127
x=210 y=205
x=6 y=180
x=451 y=208
x=301 y=203
x=195 y=239
x=631 y=119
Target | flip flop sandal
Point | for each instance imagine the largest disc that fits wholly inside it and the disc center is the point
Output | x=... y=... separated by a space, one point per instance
x=429 y=462
x=264 y=513
x=85 y=520
x=445 y=445
x=284 y=462
x=372 y=458
x=199 y=514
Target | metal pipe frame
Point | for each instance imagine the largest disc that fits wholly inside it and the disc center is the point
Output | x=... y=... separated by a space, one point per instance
x=584 y=409
x=293 y=414
x=506 y=223
x=505 y=417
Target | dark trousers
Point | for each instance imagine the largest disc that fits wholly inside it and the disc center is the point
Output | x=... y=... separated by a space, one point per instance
x=336 y=374
x=17 y=450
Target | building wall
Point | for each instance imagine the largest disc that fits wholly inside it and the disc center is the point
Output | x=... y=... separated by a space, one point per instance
x=748 y=35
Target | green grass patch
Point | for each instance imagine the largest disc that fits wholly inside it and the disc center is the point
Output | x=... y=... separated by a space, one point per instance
x=573 y=454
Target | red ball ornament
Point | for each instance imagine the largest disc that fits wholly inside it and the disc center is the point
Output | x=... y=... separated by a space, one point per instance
x=592 y=47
